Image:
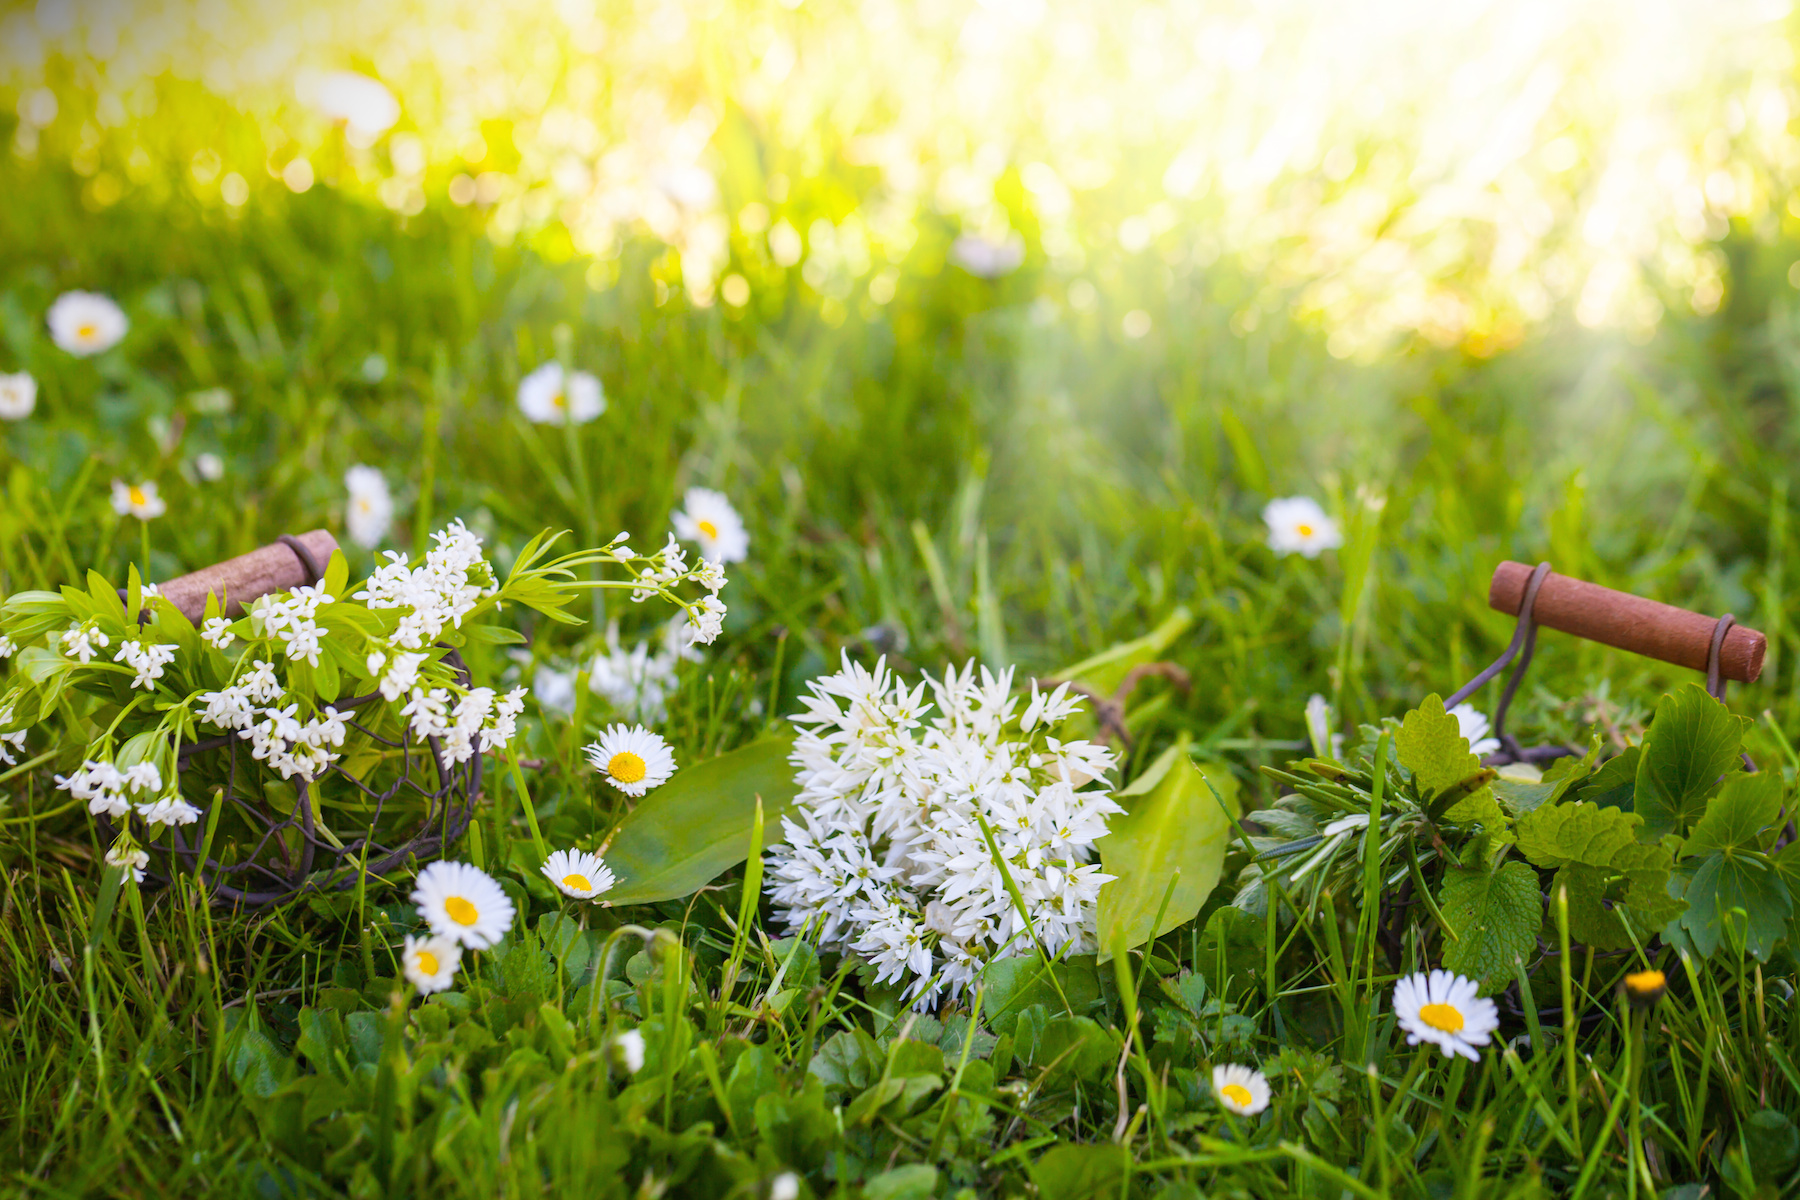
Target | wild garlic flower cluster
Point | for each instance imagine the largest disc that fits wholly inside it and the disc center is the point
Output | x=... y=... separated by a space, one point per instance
x=637 y=682
x=890 y=856
x=138 y=788
x=291 y=618
x=439 y=592
x=706 y=616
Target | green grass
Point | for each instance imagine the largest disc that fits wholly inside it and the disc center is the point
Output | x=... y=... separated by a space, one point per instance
x=955 y=474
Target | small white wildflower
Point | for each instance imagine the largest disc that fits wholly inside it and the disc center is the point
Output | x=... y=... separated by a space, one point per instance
x=1443 y=1008
x=216 y=632
x=547 y=398
x=85 y=323
x=370 y=508
x=83 y=642
x=133 y=860
x=1472 y=723
x=578 y=873
x=463 y=902
x=708 y=518
x=430 y=963
x=137 y=500
x=1298 y=524
x=629 y=1046
x=18 y=396
x=1240 y=1089
x=632 y=759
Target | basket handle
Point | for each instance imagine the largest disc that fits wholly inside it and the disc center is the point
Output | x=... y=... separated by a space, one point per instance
x=1627 y=622
x=288 y=562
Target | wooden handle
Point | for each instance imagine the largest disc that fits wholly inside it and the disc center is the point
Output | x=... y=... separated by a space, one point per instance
x=244 y=579
x=1629 y=622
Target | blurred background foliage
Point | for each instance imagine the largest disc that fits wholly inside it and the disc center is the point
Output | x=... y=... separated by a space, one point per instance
x=1000 y=320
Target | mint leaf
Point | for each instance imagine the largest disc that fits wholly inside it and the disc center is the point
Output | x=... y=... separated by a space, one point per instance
x=1495 y=916
x=1577 y=833
x=1605 y=868
x=1432 y=747
x=1693 y=742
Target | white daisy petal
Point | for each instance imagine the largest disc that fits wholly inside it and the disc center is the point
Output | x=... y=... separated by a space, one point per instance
x=549 y=396
x=632 y=759
x=1240 y=1089
x=708 y=518
x=430 y=963
x=18 y=396
x=85 y=323
x=1445 y=1009
x=1298 y=525
x=578 y=873
x=463 y=902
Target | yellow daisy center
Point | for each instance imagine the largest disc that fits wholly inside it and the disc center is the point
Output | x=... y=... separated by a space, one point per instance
x=86 y=331
x=138 y=497
x=708 y=528
x=1237 y=1093
x=625 y=767
x=1304 y=529
x=559 y=401
x=578 y=882
x=1643 y=982
x=461 y=911
x=1446 y=1017
x=428 y=963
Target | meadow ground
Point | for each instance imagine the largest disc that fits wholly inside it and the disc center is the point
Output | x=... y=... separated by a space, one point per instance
x=965 y=471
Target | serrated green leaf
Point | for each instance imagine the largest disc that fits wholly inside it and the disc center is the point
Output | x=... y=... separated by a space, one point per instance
x=1737 y=817
x=1482 y=809
x=1615 y=783
x=696 y=826
x=1579 y=833
x=1495 y=916
x=1173 y=828
x=1432 y=747
x=1693 y=742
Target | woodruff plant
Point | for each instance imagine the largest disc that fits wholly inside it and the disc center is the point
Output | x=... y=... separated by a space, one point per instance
x=343 y=696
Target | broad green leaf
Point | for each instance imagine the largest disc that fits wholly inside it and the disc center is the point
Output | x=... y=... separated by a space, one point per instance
x=693 y=828
x=1484 y=810
x=1579 y=833
x=1173 y=829
x=1693 y=742
x=1495 y=916
x=1751 y=894
x=1605 y=868
x=1432 y=747
x=1015 y=984
x=1615 y=783
x=1104 y=672
x=1082 y=1172
x=337 y=574
x=1737 y=816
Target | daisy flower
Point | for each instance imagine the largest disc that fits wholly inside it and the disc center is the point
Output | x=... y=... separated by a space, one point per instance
x=548 y=399
x=629 y=1046
x=137 y=500
x=18 y=396
x=1299 y=524
x=579 y=874
x=1645 y=988
x=1239 y=1089
x=632 y=759
x=463 y=902
x=1443 y=1009
x=209 y=467
x=1472 y=723
x=363 y=104
x=431 y=962
x=785 y=1186
x=709 y=519
x=86 y=323
x=371 y=509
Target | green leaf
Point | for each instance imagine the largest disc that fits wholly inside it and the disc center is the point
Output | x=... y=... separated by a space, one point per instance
x=1615 y=783
x=1725 y=884
x=1737 y=817
x=1495 y=916
x=1173 y=829
x=1432 y=747
x=1484 y=810
x=696 y=826
x=1604 y=867
x=915 y=1181
x=1082 y=1172
x=1104 y=672
x=337 y=574
x=1015 y=984
x=1578 y=833
x=1693 y=742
